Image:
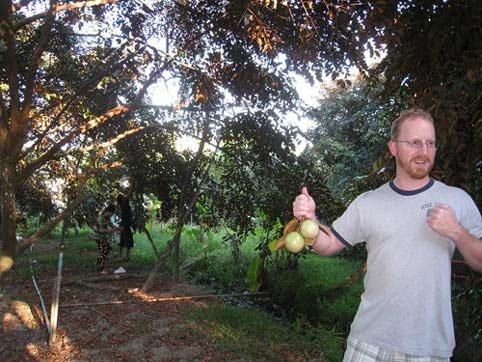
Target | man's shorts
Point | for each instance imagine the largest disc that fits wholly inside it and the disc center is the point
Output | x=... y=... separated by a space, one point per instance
x=359 y=351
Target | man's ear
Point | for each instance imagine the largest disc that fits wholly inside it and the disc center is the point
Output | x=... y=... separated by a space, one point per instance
x=392 y=146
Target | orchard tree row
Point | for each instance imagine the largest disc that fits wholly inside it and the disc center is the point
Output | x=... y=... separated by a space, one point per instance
x=76 y=105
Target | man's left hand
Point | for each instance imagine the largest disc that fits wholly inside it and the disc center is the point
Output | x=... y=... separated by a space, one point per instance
x=443 y=221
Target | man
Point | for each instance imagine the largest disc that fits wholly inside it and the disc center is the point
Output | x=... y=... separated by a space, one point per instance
x=411 y=226
x=126 y=237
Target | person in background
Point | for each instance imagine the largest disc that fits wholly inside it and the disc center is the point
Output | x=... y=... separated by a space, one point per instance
x=411 y=226
x=101 y=231
x=126 y=237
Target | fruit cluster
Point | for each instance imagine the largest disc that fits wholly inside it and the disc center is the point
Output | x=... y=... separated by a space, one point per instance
x=297 y=234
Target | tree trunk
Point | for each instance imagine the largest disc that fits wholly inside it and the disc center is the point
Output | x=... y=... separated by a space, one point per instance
x=149 y=237
x=177 y=245
x=185 y=207
x=152 y=276
x=8 y=211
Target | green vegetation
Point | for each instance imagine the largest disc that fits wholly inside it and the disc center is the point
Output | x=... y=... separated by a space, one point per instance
x=248 y=333
x=78 y=112
x=313 y=312
x=278 y=327
x=309 y=302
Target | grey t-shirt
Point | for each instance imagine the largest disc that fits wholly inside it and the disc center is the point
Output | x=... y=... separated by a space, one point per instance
x=406 y=305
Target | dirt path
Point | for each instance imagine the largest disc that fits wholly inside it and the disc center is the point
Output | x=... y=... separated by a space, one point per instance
x=138 y=329
x=107 y=318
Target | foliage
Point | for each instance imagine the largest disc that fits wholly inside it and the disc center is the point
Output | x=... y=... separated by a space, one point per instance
x=250 y=334
x=35 y=199
x=468 y=321
x=352 y=129
x=430 y=56
x=310 y=293
x=427 y=57
x=58 y=91
x=252 y=274
x=154 y=168
x=256 y=177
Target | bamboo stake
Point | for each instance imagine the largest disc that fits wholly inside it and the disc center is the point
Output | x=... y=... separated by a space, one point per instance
x=37 y=289
x=54 y=311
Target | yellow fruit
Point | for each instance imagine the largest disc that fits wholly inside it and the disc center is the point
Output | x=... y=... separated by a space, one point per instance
x=6 y=263
x=294 y=242
x=309 y=229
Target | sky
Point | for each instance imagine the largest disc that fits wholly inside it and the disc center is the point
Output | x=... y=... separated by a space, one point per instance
x=165 y=94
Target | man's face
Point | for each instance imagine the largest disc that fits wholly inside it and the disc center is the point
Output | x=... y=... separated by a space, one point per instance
x=416 y=163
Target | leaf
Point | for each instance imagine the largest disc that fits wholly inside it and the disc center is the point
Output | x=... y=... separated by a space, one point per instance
x=292 y=225
x=280 y=244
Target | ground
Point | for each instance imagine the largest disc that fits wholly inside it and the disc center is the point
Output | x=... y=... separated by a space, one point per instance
x=106 y=318
x=101 y=318
x=138 y=328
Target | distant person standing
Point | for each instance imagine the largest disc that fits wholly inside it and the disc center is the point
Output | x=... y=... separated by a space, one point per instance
x=126 y=237
x=101 y=230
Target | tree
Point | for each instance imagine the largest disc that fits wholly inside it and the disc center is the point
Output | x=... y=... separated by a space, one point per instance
x=59 y=93
x=55 y=102
x=352 y=129
x=428 y=56
x=56 y=92
x=431 y=56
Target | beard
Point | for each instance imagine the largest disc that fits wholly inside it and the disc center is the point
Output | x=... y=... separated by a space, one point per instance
x=416 y=170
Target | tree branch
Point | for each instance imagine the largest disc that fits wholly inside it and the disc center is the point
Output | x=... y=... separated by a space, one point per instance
x=19 y=125
x=108 y=144
x=57 y=147
x=11 y=65
x=25 y=243
x=64 y=7
x=154 y=248
x=69 y=102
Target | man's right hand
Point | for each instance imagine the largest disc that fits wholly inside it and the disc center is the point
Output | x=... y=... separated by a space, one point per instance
x=304 y=205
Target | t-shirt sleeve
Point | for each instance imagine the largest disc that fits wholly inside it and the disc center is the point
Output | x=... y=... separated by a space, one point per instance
x=471 y=218
x=348 y=227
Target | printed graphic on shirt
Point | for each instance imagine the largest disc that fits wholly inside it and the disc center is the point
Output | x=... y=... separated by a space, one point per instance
x=429 y=207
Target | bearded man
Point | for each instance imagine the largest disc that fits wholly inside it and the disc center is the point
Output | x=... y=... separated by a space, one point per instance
x=411 y=226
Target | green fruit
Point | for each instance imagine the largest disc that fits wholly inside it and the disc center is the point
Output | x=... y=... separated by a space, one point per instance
x=294 y=242
x=309 y=229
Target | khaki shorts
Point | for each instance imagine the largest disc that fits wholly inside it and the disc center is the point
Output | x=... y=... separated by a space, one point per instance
x=359 y=351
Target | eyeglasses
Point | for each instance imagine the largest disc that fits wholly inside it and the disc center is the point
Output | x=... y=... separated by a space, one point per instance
x=418 y=144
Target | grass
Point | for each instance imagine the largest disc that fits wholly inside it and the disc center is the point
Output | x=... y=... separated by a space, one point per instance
x=316 y=312
x=249 y=334
x=316 y=316
x=336 y=306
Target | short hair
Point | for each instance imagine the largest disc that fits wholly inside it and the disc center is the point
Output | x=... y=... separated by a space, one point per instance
x=408 y=114
x=120 y=198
